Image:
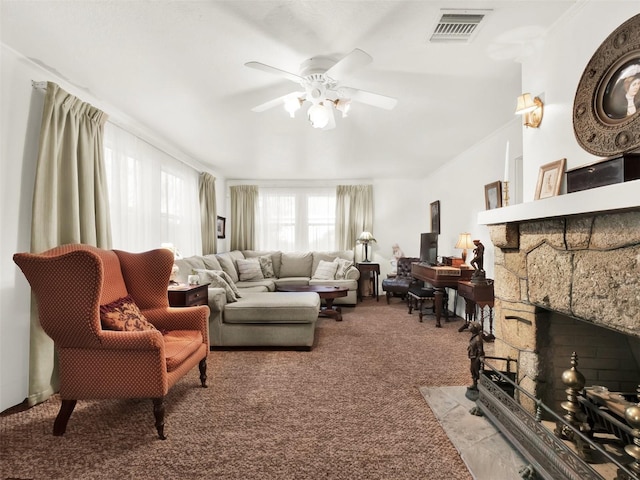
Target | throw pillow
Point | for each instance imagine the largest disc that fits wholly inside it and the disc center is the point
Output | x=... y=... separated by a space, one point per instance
x=325 y=271
x=343 y=266
x=266 y=265
x=215 y=279
x=124 y=315
x=249 y=269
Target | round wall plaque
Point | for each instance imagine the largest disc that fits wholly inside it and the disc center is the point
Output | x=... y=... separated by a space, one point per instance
x=606 y=108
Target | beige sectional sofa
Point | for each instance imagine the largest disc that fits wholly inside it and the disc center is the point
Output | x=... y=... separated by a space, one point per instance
x=259 y=315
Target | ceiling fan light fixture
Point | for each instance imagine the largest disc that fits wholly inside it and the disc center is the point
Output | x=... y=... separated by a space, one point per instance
x=292 y=105
x=318 y=115
x=343 y=105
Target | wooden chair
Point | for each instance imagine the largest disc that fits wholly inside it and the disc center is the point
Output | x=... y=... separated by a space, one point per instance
x=71 y=283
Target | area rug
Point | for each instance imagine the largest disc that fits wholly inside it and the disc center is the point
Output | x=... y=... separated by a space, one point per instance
x=349 y=409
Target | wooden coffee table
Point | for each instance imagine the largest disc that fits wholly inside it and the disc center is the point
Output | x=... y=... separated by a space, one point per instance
x=328 y=294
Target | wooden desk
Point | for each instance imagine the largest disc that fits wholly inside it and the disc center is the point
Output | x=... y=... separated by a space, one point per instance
x=372 y=271
x=440 y=278
x=477 y=296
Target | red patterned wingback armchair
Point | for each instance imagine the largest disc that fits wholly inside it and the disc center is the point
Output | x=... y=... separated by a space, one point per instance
x=72 y=282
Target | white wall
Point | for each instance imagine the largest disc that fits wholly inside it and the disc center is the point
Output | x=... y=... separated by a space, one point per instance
x=20 y=118
x=554 y=73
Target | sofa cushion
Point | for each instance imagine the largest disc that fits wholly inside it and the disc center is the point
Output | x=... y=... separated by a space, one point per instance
x=186 y=266
x=325 y=271
x=211 y=262
x=179 y=345
x=277 y=307
x=292 y=281
x=276 y=257
x=249 y=269
x=227 y=263
x=294 y=264
x=124 y=315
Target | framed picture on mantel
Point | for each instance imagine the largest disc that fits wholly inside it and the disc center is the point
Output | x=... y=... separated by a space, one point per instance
x=435 y=216
x=493 y=195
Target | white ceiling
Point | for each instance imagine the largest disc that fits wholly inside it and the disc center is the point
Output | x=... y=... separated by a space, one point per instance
x=177 y=68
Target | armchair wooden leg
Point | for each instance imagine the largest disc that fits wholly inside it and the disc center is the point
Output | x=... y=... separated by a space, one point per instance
x=158 y=413
x=60 y=424
x=203 y=372
x=388 y=295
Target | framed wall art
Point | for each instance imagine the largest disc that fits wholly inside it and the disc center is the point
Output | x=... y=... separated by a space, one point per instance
x=435 y=216
x=606 y=108
x=493 y=195
x=550 y=179
x=220 y=226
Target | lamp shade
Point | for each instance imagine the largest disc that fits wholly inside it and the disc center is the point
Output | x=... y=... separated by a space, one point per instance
x=525 y=104
x=464 y=241
x=318 y=115
x=366 y=237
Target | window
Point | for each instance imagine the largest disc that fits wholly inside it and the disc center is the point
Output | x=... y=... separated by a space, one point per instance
x=296 y=219
x=153 y=197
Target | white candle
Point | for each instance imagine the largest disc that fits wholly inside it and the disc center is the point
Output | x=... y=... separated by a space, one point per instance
x=506 y=164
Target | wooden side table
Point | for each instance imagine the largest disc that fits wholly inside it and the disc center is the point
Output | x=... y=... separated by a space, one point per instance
x=372 y=271
x=188 y=295
x=477 y=297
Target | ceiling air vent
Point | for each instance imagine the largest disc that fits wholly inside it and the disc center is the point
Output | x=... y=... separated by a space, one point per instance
x=458 y=26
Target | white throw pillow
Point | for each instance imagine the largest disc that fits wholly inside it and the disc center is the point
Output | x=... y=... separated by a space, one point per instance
x=325 y=271
x=343 y=266
x=249 y=269
x=216 y=279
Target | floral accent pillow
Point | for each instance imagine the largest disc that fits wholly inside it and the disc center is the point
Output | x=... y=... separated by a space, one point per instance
x=266 y=265
x=343 y=266
x=124 y=315
x=216 y=278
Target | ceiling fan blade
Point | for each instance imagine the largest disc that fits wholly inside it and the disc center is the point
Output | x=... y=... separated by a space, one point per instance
x=373 y=99
x=275 y=71
x=349 y=63
x=276 y=101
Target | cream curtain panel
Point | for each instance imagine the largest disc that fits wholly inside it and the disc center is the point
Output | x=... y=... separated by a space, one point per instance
x=208 y=214
x=70 y=204
x=354 y=213
x=244 y=207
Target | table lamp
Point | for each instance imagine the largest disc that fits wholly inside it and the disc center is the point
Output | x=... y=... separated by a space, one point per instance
x=365 y=238
x=464 y=242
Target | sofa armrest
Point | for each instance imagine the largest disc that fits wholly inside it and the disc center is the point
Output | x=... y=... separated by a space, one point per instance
x=217 y=299
x=352 y=273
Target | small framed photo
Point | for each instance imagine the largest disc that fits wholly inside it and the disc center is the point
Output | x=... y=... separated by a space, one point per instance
x=435 y=217
x=493 y=195
x=220 y=226
x=550 y=179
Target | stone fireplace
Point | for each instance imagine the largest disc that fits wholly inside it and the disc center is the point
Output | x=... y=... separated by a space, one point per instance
x=569 y=283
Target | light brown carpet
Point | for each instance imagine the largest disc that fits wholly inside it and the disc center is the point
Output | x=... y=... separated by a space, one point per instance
x=349 y=409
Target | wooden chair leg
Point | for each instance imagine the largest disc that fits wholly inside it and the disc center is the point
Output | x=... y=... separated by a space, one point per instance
x=158 y=413
x=203 y=372
x=388 y=296
x=60 y=424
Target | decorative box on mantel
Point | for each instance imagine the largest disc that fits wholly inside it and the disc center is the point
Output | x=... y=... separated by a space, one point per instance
x=606 y=172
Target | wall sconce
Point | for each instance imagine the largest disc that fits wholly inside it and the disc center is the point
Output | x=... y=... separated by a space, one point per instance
x=531 y=109
x=365 y=238
x=464 y=242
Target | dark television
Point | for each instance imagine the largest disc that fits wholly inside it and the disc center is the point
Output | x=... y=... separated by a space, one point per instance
x=429 y=248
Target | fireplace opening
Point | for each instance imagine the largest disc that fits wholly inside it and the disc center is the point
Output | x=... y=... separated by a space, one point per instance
x=606 y=357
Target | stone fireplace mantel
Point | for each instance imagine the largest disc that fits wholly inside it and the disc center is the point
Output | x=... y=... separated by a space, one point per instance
x=621 y=196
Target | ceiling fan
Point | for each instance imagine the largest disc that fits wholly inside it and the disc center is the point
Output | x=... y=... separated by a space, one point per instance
x=319 y=77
